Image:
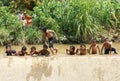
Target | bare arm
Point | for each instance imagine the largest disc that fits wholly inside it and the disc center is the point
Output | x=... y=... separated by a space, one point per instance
x=110 y=49
x=98 y=49
x=44 y=39
x=67 y=51
x=77 y=51
x=89 y=49
x=102 y=48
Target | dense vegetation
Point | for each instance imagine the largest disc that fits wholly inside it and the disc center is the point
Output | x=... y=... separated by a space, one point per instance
x=74 y=20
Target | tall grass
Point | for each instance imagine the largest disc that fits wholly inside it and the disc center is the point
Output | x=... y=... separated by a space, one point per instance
x=77 y=20
x=82 y=20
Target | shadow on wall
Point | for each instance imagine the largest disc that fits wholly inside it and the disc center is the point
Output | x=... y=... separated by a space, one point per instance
x=39 y=69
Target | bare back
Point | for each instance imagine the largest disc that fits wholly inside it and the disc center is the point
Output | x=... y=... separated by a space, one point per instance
x=107 y=45
x=49 y=34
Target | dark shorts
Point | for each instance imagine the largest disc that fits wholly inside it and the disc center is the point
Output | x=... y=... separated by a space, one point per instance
x=107 y=51
x=51 y=42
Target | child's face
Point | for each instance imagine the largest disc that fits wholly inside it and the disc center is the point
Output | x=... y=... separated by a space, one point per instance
x=82 y=47
x=71 y=49
x=32 y=49
x=8 y=49
x=23 y=51
x=94 y=43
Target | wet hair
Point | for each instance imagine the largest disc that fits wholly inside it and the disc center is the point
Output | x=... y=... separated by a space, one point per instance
x=8 y=46
x=106 y=39
x=24 y=48
x=44 y=29
x=82 y=45
x=45 y=46
x=73 y=47
x=94 y=41
x=13 y=51
x=33 y=47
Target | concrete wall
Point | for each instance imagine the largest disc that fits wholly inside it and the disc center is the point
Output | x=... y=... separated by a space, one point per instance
x=60 y=68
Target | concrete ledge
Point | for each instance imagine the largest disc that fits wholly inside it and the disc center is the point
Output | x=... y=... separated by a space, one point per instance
x=60 y=68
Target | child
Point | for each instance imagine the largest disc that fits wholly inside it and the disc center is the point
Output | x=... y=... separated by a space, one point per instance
x=71 y=50
x=44 y=51
x=33 y=50
x=83 y=50
x=51 y=35
x=9 y=51
x=94 y=47
x=23 y=51
x=107 y=47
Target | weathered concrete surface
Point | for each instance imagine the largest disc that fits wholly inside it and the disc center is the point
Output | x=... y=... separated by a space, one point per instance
x=60 y=68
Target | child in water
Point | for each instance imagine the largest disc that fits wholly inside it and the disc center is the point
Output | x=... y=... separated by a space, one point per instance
x=107 y=47
x=9 y=51
x=82 y=50
x=93 y=48
x=71 y=50
x=44 y=51
x=23 y=51
x=33 y=50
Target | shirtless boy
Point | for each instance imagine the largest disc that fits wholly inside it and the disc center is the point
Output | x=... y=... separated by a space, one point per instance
x=33 y=50
x=44 y=51
x=71 y=50
x=82 y=50
x=9 y=51
x=51 y=35
x=107 y=47
x=23 y=51
x=93 y=48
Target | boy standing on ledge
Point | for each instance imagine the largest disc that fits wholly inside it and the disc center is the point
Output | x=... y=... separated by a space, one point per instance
x=51 y=35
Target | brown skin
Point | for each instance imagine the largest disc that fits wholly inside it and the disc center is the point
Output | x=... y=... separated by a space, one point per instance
x=106 y=45
x=82 y=51
x=32 y=52
x=50 y=34
x=70 y=51
x=9 y=50
x=44 y=52
x=22 y=53
x=94 y=48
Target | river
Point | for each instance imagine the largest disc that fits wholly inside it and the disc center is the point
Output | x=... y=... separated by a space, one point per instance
x=61 y=47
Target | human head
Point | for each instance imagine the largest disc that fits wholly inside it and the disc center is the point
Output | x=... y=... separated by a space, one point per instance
x=82 y=45
x=24 y=48
x=8 y=47
x=44 y=29
x=33 y=48
x=45 y=46
x=106 y=40
x=94 y=41
x=72 y=48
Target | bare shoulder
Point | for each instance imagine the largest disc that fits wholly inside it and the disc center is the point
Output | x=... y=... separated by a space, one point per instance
x=50 y=31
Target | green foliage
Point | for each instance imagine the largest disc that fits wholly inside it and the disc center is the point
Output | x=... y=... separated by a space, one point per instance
x=77 y=19
x=12 y=31
x=8 y=24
